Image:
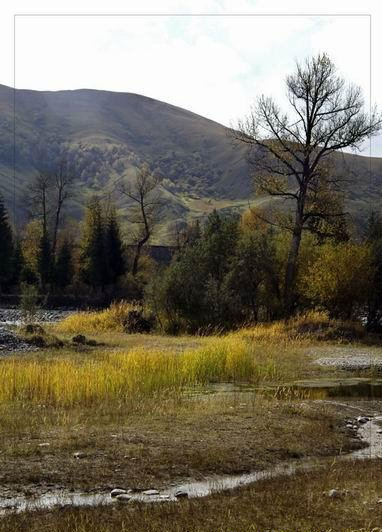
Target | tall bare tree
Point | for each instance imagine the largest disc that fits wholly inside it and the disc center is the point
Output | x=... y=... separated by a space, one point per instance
x=62 y=181
x=144 y=194
x=48 y=193
x=39 y=196
x=290 y=152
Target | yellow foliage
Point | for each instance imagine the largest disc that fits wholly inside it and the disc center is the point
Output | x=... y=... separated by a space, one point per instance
x=340 y=277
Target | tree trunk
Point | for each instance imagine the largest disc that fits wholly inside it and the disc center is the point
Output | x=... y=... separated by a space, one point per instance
x=140 y=245
x=291 y=267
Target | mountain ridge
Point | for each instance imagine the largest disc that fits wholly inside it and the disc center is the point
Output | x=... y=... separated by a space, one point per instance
x=108 y=134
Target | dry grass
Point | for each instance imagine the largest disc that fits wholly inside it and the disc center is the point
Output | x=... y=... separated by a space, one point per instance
x=173 y=439
x=306 y=329
x=288 y=504
x=112 y=319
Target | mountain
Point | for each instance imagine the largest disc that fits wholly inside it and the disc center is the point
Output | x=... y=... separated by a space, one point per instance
x=109 y=134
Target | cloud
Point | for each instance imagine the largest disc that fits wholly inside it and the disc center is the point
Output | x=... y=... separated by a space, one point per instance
x=214 y=66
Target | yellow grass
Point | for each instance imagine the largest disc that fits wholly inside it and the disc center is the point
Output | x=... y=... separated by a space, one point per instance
x=264 y=353
x=125 y=376
x=112 y=318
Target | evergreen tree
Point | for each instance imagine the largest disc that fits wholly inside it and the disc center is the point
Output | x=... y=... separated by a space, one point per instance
x=63 y=272
x=18 y=264
x=114 y=248
x=93 y=261
x=374 y=238
x=44 y=261
x=6 y=246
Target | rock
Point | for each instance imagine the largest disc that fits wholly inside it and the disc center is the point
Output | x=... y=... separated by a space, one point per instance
x=181 y=494
x=363 y=419
x=45 y=444
x=336 y=493
x=150 y=492
x=79 y=339
x=117 y=491
x=123 y=497
x=379 y=431
x=379 y=501
x=79 y=455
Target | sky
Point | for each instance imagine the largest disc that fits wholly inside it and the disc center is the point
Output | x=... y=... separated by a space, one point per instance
x=212 y=65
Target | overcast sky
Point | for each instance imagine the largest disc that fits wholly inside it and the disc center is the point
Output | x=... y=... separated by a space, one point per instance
x=214 y=66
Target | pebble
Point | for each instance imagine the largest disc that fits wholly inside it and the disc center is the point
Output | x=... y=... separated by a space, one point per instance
x=117 y=491
x=79 y=455
x=181 y=495
x=150 y=492
x=363 y=419
x=123 y=497
x=11 y=342
x=336 y=493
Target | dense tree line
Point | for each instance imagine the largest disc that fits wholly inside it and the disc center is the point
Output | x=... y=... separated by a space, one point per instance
x=226 y=272
x=233 y=273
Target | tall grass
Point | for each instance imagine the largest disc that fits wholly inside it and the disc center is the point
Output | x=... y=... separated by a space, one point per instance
x=111 y=319
x=125 y=376
x=265 y=353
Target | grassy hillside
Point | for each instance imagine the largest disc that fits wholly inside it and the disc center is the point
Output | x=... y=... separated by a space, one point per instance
x=108 y=134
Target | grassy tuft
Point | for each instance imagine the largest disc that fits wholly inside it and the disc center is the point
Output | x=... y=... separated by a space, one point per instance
x=112 y=318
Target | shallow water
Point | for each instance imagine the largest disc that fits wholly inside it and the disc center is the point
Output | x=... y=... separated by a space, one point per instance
x=367 y=432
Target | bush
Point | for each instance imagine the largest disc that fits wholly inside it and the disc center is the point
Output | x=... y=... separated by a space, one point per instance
x=29 y=302
x=340 y=279
x=137 y=322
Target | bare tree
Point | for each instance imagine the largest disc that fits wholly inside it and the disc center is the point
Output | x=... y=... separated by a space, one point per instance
x=62 y=181
x=290 y=153
x=48 y=193
x=39 y=193
x=144 y=193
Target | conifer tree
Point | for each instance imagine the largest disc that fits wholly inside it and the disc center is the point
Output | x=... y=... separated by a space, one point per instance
x=374 y=239
x=114 y=248
x=18 y=264
x=93 y=262
x=6 y=246
x=63 y=272
x=44 y=261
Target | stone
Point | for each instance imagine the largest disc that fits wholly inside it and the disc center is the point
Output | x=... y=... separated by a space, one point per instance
x=150 y=492
x=79 y=455
x=363 y=419
x=123 y=497
x=117 y=491
x=181 y=494
x=336 y=493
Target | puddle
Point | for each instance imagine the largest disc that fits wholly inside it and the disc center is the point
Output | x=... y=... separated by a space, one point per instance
x=367 y=432
x=354 y=388
x=364 y=388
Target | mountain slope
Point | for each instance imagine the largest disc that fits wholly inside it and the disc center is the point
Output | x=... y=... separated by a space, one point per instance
x=108 y=134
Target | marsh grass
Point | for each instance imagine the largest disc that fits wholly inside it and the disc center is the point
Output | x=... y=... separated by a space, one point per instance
x=112 y=318
x=125 y=376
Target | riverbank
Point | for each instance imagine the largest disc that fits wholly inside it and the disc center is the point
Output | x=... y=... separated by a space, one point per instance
x=151 y=412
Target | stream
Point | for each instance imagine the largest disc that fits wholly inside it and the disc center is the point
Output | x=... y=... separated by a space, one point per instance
x=369 y=432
